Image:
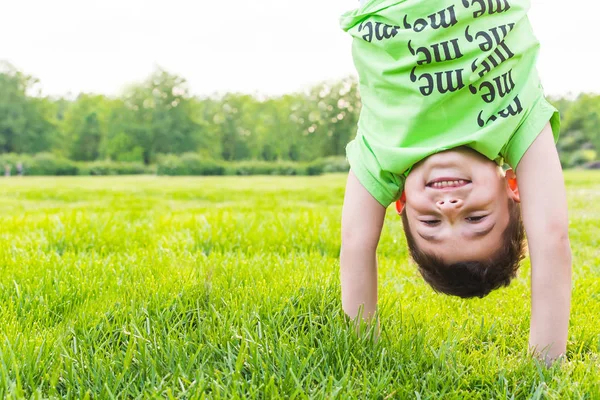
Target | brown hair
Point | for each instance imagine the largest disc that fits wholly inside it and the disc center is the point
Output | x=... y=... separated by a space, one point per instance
x=473 y=278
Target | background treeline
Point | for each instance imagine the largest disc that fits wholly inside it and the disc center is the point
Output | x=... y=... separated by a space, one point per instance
x=156 y=126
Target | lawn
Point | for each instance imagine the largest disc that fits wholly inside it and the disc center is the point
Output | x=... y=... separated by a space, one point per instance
x=138 y=287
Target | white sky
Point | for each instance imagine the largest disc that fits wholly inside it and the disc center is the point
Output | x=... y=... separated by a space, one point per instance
x=265 y=46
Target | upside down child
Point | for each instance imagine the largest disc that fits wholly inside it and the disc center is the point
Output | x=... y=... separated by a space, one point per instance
x=453 y=113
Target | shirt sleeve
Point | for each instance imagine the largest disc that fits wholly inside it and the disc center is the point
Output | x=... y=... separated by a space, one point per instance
x=384 y=186
x=541 y=113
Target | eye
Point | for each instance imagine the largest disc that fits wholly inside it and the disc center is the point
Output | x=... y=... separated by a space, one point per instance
x=431 y=222
x=475 y=219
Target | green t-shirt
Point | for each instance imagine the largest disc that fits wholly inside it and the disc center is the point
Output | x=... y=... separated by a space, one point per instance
x=440 y=74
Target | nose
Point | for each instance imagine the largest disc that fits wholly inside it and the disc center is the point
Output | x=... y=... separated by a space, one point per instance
x=449 y=205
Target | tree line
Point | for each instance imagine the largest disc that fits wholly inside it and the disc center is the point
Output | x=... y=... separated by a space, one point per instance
x=159 y=117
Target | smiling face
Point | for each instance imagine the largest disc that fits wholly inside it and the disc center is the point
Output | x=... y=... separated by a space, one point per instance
x=457 y=205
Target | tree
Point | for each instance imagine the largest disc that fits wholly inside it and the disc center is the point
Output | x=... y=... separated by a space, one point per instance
x=84 y=127
x=26 y=122
x=584 y=116
x=161 y=121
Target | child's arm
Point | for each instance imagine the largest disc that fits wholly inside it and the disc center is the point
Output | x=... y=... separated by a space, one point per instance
x=544 y=209
x=362 y=221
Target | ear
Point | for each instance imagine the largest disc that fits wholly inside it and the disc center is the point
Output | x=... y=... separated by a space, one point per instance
x=512 y=186
x=401 y=203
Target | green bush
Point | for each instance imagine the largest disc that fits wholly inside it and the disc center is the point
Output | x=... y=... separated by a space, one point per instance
x=113 y=168
x=315 y=167
x=188 y=164
x=48 y=164
x=195 y=164
x=328 y=165
x=336 y=164
x=11 y=160
x=564 y=158
x=169 y=164
x=266 y=168
x=582 y=157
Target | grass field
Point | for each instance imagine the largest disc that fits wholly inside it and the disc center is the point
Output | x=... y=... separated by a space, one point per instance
x=142 y=287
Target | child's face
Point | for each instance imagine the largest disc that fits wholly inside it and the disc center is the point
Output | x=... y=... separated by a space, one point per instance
x=457 y=205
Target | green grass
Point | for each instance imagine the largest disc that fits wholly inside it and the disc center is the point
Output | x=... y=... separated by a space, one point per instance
x=144 y=287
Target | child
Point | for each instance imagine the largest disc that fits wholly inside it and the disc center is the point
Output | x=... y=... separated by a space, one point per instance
x=450 y=94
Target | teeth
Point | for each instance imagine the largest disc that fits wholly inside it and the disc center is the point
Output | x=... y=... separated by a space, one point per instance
x=445 y=184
